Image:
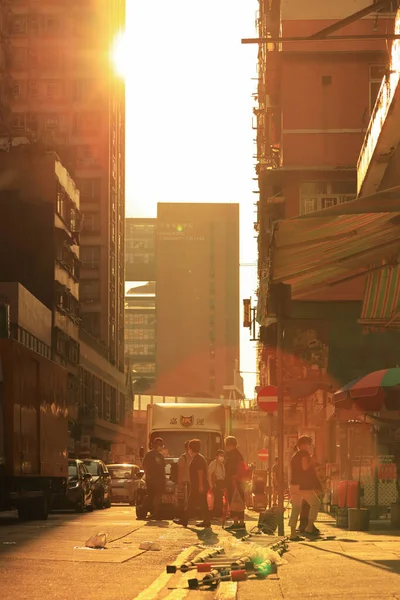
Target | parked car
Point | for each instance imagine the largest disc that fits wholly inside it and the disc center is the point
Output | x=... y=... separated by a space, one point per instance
x=125 y=480
x=79 y=495
x=173 y=498
x=100 y=482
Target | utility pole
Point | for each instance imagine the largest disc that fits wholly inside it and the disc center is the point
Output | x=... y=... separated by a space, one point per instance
x=281 y=420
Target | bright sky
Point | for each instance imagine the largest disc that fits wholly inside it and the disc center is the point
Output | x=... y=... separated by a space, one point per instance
x=189 y=116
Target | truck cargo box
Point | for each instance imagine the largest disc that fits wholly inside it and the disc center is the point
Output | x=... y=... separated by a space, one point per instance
x=33 y=413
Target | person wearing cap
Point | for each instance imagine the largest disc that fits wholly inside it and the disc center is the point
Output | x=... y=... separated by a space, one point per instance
x=302 y=487
x=154 y=468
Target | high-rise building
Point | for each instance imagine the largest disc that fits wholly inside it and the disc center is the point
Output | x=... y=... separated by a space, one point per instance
x=140 y=249
x=66 y=93
x=197 y=298
x=5 y=62
x=140 y=336
x=68 y=98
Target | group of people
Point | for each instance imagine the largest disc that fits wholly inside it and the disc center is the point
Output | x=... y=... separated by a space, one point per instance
x=223 y=474
x=226 y=473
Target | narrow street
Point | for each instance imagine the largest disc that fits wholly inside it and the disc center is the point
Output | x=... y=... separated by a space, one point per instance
x=48 y=560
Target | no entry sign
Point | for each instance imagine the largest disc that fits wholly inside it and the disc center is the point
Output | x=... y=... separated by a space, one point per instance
x=263 y=454
x=267 y=398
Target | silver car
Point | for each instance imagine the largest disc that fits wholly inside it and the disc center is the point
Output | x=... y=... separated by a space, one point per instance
x=124 y=483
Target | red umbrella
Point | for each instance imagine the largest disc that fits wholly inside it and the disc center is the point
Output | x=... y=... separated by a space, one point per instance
x=372 y=392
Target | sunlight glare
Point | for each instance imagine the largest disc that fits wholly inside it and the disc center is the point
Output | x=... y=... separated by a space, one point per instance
x=120 y=55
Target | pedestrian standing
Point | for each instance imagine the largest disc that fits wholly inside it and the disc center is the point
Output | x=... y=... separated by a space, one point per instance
x=154 y=468
x=198 y=488
x=216 y=481
x=234 y=479
x=302 y=486
x=183 y=467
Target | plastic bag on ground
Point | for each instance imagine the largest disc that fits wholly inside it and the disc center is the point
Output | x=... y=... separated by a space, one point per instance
x=258 y=554
x=149 y=546
x=99 y=540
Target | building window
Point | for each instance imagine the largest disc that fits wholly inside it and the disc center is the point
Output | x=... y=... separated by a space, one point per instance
x=87 y=123
x=91 y=222
x=54 y=89
x=90 y=188
x=89 y=289
x=144 y=367
x=51 y=122
x=317 y=195
x=32 y=122
x=34 y=23
x=85 y=155
x=18 y=24
x=18 y=121
x=19 y=58
x=90 y=256
x=82 y=88
x=51 y=25
x=376 y=74
x=33 y=88
x=143 y=349
x=91 y=322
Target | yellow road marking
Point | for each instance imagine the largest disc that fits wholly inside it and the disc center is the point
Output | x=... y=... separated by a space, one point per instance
x=158 y=584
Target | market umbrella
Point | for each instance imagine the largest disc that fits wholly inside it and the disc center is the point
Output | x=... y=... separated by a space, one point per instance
x=372 y=392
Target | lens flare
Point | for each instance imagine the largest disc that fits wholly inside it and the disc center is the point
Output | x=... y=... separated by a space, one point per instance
x=120 y=55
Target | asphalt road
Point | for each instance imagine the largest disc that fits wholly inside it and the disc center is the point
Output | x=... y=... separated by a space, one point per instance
x=43 y=560
x=48 y=559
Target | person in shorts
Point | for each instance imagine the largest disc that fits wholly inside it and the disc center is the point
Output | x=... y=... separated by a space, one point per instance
x=302 y=486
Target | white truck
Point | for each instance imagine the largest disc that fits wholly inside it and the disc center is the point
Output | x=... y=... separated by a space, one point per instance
x=176 y=423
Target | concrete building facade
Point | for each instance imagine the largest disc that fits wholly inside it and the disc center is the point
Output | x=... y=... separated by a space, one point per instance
x=140 y=249
x=197 y=298
x=314 y=101
x=140 y=336
x=66 y=93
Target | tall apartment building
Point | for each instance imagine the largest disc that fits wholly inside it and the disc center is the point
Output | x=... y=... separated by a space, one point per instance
x=39 y=245
x=5 y=64
x=66 y=93
x=197 y=298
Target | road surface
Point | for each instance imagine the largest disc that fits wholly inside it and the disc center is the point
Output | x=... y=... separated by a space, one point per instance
x=47 y=559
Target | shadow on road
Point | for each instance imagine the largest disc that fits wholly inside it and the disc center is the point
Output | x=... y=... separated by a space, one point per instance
x=14 y=534
x=384 y=565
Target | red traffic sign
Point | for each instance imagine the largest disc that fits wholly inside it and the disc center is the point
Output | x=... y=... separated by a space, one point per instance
x=267 y=398
x=263 y=454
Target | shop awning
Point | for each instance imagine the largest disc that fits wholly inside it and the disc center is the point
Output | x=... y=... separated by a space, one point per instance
x=381 y=306
x=321 y=251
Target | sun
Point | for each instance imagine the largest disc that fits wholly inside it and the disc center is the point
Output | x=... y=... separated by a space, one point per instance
x=120 y=55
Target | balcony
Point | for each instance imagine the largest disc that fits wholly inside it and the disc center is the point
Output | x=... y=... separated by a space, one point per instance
x=382 y=135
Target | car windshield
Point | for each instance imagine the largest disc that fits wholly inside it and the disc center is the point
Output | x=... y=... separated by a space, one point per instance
x=72 y=471
x=120 y=472
x=92 y=467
